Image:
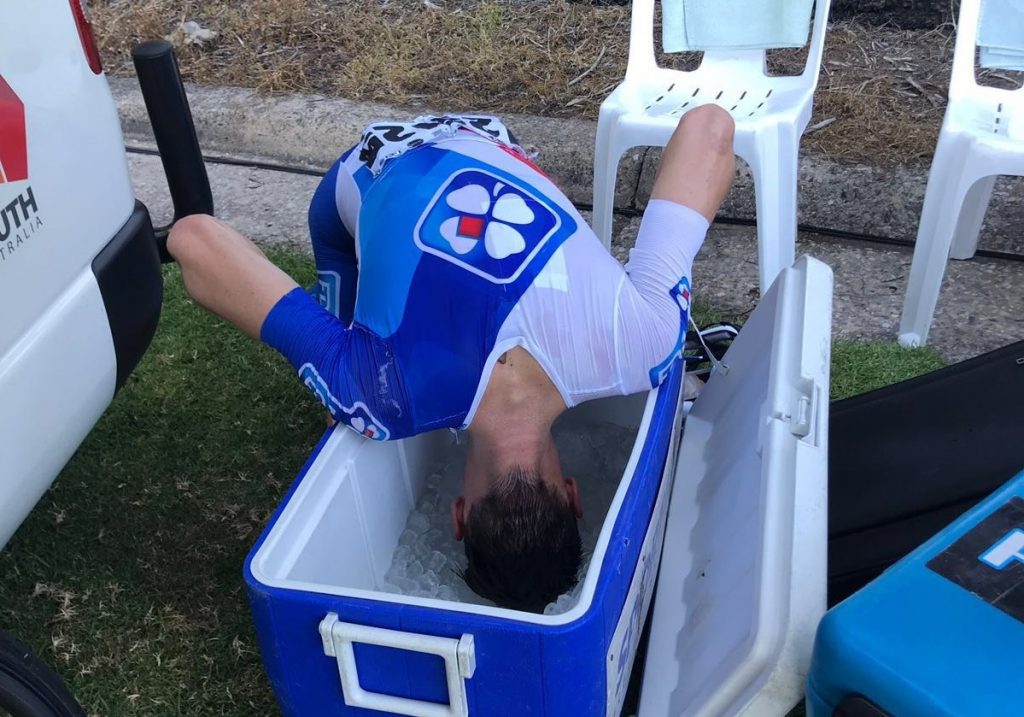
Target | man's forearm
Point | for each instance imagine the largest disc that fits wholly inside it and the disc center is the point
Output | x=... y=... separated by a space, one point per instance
x=226 y=273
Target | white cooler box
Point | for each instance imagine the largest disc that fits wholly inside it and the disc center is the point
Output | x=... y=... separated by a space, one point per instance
x=742 y=583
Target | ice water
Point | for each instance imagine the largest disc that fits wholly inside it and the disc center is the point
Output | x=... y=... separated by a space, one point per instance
x=428 y=560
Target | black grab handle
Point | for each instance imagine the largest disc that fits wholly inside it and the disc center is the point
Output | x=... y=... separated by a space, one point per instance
x=157 y=68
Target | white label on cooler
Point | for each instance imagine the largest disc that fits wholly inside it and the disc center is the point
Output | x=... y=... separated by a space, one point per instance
x=622 y=649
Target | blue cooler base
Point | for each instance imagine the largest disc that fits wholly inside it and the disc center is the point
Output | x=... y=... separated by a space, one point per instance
x=333 y=644
x=940 y=633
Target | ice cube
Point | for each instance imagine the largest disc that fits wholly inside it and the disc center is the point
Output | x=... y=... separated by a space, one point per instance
x=429 y=584
x=418 y=523
x=428 y=503
x=406 y=586
x=437 y=561
x=422 y=550
x=564 y=603
x=397 y=568
x=415 y=570
x=456 y=557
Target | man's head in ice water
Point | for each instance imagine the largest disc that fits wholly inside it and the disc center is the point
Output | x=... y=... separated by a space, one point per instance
x=518 y=511
x=522 y=541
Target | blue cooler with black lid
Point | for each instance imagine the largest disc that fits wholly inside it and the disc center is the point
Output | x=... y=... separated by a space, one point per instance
x=940 y=633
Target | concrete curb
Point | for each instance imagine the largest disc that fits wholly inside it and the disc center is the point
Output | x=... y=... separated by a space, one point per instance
x=311 y=131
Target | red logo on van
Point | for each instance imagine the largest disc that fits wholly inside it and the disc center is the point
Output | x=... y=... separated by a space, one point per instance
x=13 y=143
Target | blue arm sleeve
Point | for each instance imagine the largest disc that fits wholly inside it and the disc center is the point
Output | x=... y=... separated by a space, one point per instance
x=333 y=249
x=351 y=371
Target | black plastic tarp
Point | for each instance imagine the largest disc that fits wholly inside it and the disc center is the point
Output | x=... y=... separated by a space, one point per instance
x=907 y=459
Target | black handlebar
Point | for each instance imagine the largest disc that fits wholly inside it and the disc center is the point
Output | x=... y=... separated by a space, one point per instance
x=157 y=68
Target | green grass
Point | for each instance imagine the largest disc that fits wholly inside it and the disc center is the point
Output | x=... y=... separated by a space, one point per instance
x=859 y=367
x=127 y=576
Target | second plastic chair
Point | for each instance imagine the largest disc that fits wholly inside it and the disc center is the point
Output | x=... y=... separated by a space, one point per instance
x=982 y=137
x=771 y=114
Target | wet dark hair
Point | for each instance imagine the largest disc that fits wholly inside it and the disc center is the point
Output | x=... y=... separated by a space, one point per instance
x=522 y=543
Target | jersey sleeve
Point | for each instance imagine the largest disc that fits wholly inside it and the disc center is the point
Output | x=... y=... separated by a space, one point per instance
x=350 y=370
x=654 y=300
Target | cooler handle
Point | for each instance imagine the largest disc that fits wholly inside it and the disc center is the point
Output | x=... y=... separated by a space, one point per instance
x=459 y=664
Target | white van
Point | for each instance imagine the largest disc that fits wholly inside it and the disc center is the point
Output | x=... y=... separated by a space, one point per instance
x=80 y=280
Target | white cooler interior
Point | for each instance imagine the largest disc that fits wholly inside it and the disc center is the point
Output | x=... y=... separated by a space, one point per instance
x=340 y=529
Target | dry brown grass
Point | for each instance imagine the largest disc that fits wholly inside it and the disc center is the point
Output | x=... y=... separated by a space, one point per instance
x=884 y=89
x=506 y=57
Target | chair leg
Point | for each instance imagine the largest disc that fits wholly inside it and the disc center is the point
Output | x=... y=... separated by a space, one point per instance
x=943 y=200
x=775 y=190
x=968 y=229
x=606 y=169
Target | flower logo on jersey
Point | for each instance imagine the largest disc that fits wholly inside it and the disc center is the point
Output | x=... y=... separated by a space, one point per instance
x=682 y=296
x=486 y=225
x=357 y=417
x=501 y=236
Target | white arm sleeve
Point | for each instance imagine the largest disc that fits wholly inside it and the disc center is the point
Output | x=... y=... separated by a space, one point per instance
x=653 y=303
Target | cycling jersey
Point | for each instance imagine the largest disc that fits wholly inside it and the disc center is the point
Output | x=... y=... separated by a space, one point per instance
x=442 y=250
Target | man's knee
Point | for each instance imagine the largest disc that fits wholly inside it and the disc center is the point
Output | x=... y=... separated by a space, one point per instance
x=191 y=236
x=710 y=126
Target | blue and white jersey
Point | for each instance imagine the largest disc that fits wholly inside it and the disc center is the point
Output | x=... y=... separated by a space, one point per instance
x=450 y=254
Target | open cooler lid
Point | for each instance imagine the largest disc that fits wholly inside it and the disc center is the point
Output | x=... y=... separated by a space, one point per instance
x=743 y=570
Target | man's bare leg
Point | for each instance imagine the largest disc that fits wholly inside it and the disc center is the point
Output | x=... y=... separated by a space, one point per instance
x=226 y=273
x=698 y=165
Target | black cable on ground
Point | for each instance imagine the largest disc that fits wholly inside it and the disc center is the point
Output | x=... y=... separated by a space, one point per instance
x=633 y=213
x=824 y=231
x=231 y=161
x=872 y=238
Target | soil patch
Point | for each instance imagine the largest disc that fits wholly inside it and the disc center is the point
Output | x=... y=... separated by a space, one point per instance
x=907 y=14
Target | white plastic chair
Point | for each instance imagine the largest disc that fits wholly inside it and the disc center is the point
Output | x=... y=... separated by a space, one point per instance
x=982 y=137
x=771 y=114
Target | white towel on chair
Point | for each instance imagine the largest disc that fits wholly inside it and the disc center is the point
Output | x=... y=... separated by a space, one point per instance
x=734 y=24
x=1001 y=34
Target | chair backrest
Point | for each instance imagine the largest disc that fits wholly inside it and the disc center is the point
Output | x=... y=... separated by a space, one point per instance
x=641 y=45
x=963 y=78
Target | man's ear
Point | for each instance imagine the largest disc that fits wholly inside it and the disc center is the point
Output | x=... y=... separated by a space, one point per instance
x=459 y=517
x=572 y=492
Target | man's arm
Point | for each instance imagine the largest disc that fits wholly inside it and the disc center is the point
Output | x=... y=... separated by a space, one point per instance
x=696 y=171
x=695 y=174
x=226 y=273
